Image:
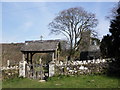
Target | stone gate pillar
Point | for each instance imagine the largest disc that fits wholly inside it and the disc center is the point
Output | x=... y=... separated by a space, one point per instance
x=22 y=68
x=51 y=68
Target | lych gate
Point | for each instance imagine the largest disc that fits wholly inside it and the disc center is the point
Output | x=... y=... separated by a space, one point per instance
x=32 y=47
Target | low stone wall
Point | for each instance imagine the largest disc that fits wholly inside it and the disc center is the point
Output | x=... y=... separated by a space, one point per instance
x=81 y=67
x=9 y=72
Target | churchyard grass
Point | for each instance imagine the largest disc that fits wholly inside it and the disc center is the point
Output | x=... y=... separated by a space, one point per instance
x=83 y=81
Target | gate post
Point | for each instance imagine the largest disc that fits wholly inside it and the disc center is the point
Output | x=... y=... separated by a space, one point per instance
x=22 y=68
x=51 y=68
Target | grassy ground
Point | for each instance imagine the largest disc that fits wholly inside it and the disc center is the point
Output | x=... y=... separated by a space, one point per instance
x=65 y=82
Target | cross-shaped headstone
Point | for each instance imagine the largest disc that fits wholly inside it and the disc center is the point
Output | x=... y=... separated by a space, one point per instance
x=41 y=37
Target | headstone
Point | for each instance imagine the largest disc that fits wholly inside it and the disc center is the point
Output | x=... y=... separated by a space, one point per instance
x=22 y=68
x=8 y=63
x=40 y=60
x=51 y=68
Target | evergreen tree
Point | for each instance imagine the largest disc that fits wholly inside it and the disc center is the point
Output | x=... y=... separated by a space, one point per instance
x=106 y=46
x=110 y=45
x=115 y=34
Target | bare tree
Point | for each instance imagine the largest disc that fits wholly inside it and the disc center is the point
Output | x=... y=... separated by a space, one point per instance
x=72 y=23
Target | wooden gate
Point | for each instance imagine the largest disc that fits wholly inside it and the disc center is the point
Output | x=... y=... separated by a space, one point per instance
x=37 y=71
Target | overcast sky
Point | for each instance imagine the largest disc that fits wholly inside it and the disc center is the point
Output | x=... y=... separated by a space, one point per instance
x=23 y=21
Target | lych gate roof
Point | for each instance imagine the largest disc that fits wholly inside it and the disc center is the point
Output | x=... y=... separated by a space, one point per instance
x=44 y=45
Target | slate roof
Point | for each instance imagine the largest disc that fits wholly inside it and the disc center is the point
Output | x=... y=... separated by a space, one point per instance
x=44 y=45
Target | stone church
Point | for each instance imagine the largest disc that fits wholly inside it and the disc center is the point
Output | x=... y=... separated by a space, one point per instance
x=89 y=47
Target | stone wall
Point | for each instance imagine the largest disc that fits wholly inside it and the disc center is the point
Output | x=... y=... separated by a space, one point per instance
x=98 y=66
x=9 y=72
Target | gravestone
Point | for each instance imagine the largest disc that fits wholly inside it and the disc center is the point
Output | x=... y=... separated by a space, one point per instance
x=8 y=63
x=51 y=68
x=22 y=68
